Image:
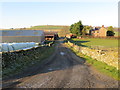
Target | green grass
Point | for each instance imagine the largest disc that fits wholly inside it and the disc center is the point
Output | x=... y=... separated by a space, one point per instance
x=90 y=42
x=100 y=66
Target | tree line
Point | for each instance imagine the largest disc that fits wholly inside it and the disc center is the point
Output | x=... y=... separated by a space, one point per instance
x=79 y=29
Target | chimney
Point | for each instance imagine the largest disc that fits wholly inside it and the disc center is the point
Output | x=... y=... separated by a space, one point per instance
x=102 y=26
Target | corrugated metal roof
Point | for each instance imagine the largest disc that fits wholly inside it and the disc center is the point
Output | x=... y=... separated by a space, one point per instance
x=21 y=32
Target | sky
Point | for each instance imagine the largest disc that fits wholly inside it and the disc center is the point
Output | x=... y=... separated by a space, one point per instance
x=19 y=14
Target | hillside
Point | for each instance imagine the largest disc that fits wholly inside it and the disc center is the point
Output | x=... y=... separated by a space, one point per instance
x=62 y=30
x=50 y=27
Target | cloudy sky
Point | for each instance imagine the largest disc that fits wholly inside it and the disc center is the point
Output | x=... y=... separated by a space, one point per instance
x=18 y=14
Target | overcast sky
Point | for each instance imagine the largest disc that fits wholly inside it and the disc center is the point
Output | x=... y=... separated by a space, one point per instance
x=26 y=14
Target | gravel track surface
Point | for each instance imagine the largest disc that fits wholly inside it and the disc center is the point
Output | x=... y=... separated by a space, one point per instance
x=63 y=69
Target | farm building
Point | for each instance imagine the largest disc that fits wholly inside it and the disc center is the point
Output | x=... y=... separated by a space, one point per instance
x=9 y=36
x=51 y=35
x=99 y=32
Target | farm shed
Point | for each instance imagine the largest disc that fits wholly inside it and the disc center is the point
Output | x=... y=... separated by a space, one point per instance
x=51 y=35
x=9 y=36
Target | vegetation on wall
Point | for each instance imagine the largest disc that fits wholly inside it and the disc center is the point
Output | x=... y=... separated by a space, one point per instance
x=15 y=62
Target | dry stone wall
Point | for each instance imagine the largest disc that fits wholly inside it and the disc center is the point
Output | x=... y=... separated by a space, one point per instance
x=108 y=57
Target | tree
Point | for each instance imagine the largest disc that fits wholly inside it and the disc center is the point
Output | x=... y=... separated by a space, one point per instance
x=71 y=28
x=76 y=28
x=110 y=31
x=86 y=30
x=110 y=28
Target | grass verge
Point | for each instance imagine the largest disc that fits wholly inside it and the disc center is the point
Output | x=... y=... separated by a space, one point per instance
x=100 y=66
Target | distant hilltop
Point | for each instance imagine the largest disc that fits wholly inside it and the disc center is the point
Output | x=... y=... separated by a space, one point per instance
x=49 y=27
x=42 y=27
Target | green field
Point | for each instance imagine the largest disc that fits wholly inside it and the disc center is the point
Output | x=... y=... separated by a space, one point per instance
x=93 y=42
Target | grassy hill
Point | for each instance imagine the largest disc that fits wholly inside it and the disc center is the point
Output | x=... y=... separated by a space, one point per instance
x=62 y=30
x=50 y=27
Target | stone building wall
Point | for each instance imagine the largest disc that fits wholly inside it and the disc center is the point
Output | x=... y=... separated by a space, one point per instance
x=102 y=32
